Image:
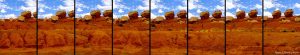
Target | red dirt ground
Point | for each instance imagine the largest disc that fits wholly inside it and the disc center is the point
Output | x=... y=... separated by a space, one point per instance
x=282 y=38
x=206 y=38
x=168 y=38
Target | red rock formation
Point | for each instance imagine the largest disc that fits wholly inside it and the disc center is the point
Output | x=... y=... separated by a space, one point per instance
x=169 y=15
x=204 y=15
x=95 y=13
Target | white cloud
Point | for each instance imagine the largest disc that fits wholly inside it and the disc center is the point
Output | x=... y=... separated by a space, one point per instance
x=80 y=5
x=103 y=7
x=79 y=9
x=191 y=15
x=2 y=0
x=246 y=15
x=106 y=2
x=68 y=5
x=181 y=7
x=267 y=13
x=81 y=15
x=143 y=7
x=268 y=4
x=117 y=4
x=146 y=2
x=194 y=5
x=120 y=11
x=153 y=16
x=199 y=11
x=271 y=3
x=218 y=7
x=229 y=4
x=30 y=2
x=3 y=11
x=43 y=6
x=257 y=6
x=24 y=8
x=233 y=4
x=297 y=5
x=41 y=10
x=155 y=4
x=118 y=16
x=46 y=15
x=184 y=2
x=191 y=4
x=115 y=16
x=230 y=14
x=277 y=9
x=30 y=5
x=4 y=6
x=160 y=11
x=10 y=16
x=238 y=9
x=7 y=16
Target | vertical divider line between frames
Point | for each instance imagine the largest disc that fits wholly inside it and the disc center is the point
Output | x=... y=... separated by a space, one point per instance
x=150 y=23
x=263 y=29
x=112 y=29
x=36 y=41
x=187 y=29
x=225 y=27
x=74 y=27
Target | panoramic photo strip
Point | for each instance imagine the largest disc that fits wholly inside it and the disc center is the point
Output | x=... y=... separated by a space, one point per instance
x=149 y=27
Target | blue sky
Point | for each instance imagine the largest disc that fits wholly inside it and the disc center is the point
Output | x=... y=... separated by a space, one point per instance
x=122 y=7
x=198 y=6
x=13 y=8
x=48 y=8
x=84 y=7
x=159 y=7
x=232 y=6
x=282 y=5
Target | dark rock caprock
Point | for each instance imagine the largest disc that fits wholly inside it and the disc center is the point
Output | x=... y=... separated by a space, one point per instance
x=182 y=14
x=61 y=14
x=87 y=18
x=34 y=14
x=108 y=13
x=146 y=14
x=71 y=13
x=95 y=13
x=276 y=14
x=133 y=15
x=21 y=18
x=289 y=13
x=241 y=14
x=54 y=18
x=253 y=14
x=169 y=15
x=217 y=14
x=121 y=21
x=204 y=15
x=193 y=20
x=229 y=18
x=26 y=14
x=158 y=19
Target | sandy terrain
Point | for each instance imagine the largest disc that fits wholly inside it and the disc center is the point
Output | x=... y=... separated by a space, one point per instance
x=168 y=38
